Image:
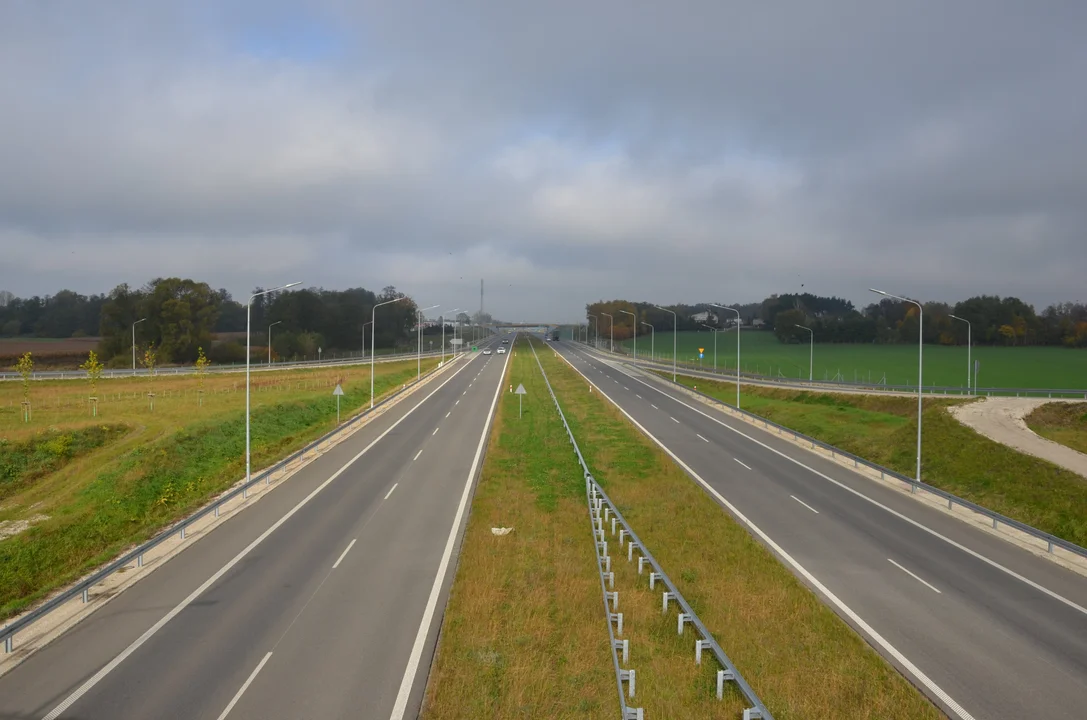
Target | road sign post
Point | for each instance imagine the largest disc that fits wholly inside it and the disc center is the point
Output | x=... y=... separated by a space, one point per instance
x=519 y=392
x=338 y=392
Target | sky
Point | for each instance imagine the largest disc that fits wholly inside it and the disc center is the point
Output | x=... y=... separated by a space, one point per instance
x=563 y=151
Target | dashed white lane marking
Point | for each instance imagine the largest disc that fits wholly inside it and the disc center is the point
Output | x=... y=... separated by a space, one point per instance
x=245 y=685
x=742 y=463
x=352 y=543
x=930 y=587
x=794 y=497
x=701 y=438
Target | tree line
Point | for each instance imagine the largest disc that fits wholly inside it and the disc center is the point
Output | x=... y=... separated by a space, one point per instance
x=993 y=320
x=179 y=316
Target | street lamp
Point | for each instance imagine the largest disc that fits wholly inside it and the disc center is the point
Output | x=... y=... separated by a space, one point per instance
x=364 y=338
x=419 y=336
x=443 y=331
x=722 y=307
x=675 y=329
x=596 y=325
x=134 y=344
x=920 y=349
x=634 y=326
x=969 y=362
x=612 y=320
x=373 y=341
x=811 y=352
x=270 y=340
x=248 y=317
x=715 y=331
x=652 y=341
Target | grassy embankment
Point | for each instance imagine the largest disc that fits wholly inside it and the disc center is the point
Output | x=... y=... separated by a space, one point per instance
x=1020 y=367
x=150 y=468
x=883 y=429
x=524 y=633
x=1064 y=423
x=798 y=655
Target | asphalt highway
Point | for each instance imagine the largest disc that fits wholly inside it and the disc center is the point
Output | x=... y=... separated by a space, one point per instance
x=984 y=628
x=323 y=600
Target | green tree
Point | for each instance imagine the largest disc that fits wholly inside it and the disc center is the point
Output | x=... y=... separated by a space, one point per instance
x=202 y=364
x=150 y=361
x=93 y=369
x=181 y=316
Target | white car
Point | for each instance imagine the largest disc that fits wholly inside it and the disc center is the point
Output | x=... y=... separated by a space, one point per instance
x=501 y=351
x=487 y=351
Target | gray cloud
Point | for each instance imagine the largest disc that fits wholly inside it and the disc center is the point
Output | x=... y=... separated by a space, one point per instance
x=564 y=151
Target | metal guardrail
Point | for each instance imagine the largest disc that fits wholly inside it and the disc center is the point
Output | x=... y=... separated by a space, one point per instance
x=7 y=632
x=952 y=500
x=601 y=511
x=232 y=368
x=829 y=386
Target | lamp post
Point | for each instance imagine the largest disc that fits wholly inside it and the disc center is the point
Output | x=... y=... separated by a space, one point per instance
x=373 y=341
x=634 y=326
x=419 y=336
x=811 y=352
x=920 y=366
x=969 y=361
x=652 y=341
x=270 y=341
x=134 y=344
x=364 y=338
x=675 y=329
x=443 y=332
x=722 y=307
x=248 y=316
x=596 y=325
x=715 y=331
x=612 y=320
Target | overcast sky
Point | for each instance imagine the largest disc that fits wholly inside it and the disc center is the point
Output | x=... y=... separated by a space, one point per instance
x=564 y=151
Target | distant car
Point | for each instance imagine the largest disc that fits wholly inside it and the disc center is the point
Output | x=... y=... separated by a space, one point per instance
x=501 y=351
x=487 y=351
x=505 y=342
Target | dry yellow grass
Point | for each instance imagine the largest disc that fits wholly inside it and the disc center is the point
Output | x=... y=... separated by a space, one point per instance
x=802 y=659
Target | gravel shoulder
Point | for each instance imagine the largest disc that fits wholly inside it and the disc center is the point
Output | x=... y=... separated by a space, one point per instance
x=1002 y=419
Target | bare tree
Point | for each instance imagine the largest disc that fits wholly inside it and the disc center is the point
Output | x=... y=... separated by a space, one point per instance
x=202 y=364
x=150 y=358
x=25 y=367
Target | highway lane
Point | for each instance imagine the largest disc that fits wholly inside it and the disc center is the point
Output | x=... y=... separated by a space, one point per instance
x=331 y=586
x=988 y=642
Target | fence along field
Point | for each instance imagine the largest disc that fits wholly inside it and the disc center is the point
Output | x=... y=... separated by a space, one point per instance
x=760 y=351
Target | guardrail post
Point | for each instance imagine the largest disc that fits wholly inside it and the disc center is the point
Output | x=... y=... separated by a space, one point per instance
x=653 y=578
x=699 y=646
x=182 y=532
x=752 y=714
x=613 y=597
x=216 y=509
x=683 y=618
x=613 y=528
x=630 y=551
x=617 y=618
x=641 y=563
x=622 y=534
x=665 y=597
x=611 y=579
x=8 y=642
x=722 y=676
x=607 y=563
x=86 y=595
x=623 y=645
x=1050 y=542
x=628 y=677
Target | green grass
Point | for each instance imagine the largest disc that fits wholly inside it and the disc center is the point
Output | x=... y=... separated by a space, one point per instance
x=21 y=463
x=801 y=658
x=524 y=633
x=1064 y=423
x=883 y=429
x=1013 y=367
x=125 y=492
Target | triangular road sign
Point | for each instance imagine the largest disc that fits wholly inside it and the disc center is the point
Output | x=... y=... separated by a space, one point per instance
x=520 y=390
x=338 y=390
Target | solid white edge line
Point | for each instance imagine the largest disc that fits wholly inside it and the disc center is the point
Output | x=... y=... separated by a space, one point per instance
x=845 y=609
x=147 y=635
x=400 y=707
x=973 y=553
x=245 y=685
x=930 y=587
x=701 y=438
x=794 y=497
x=742 y=463
x=388 y=494
x=349 y=546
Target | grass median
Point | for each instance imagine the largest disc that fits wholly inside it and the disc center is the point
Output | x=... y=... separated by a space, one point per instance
x=1064 y=423
x=883 y=429
x=802 y=659
x=77 y=506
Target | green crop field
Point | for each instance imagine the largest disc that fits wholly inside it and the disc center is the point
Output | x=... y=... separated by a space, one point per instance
x=1012 y=367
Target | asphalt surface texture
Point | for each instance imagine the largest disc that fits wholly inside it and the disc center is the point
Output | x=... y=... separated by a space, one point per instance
x=984 y=628
x=323 y=600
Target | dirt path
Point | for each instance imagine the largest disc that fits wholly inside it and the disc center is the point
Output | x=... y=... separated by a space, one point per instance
x=1001 y=419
